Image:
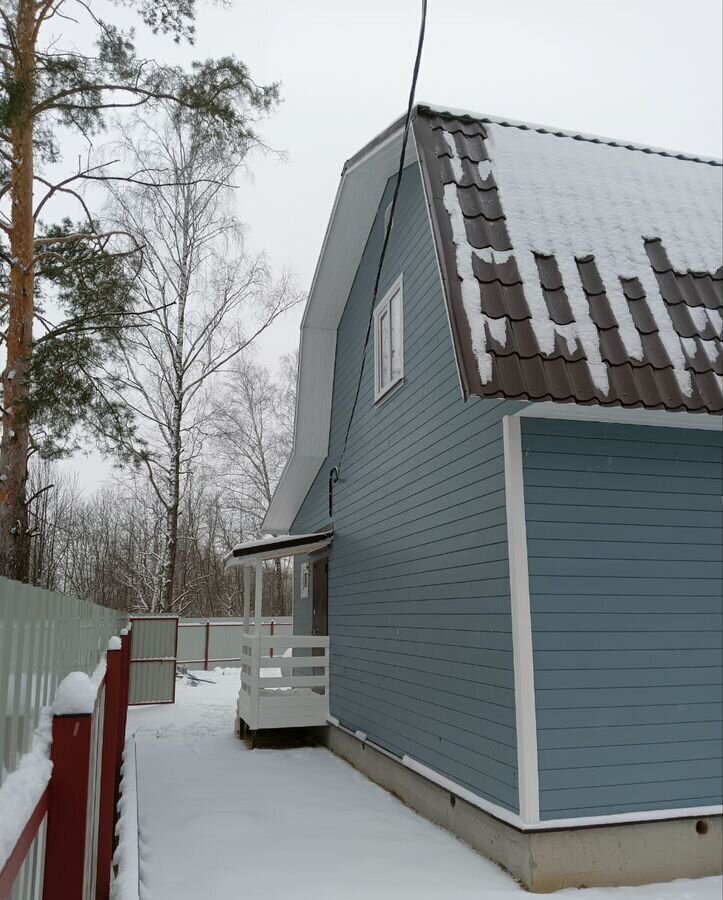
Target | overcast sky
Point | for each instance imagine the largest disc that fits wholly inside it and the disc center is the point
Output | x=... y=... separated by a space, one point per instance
x=645 y=70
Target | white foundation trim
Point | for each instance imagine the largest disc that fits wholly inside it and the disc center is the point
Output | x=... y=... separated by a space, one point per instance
x=512 y=818
x=525 y=714
x=499 y=812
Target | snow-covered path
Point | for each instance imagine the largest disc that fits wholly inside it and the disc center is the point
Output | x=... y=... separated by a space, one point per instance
x=218 y=820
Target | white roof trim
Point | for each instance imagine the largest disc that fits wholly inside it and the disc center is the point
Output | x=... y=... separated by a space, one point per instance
x=357 y=201
x=622 y=416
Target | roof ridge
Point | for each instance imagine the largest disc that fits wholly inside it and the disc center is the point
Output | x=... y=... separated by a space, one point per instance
x=468 y=115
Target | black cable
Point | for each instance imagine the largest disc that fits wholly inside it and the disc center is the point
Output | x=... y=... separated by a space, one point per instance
x=335 y=471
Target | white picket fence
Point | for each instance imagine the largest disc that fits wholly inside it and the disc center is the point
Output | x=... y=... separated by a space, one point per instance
x=289 y=689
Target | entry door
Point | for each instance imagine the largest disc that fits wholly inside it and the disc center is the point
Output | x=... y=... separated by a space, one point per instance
x=320 y=597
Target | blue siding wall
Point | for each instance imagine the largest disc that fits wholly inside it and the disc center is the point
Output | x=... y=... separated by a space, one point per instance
x=625 y=556
x=419 y=610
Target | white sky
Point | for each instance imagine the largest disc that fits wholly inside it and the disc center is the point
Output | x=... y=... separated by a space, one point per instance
x=644 y=70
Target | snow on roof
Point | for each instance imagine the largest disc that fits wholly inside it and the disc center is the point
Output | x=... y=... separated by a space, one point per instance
x=280 y=545
x=598 y=260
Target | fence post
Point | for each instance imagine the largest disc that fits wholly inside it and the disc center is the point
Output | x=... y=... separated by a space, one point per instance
x=123 y=698
x=109 y=773
x=68 y=808
x=208 y=637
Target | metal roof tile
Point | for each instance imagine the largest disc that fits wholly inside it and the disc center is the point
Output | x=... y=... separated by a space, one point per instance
x=506 y=272
x=474 y=202
x=681 y=319
x=510 y=376
x=600 y=311
x=550 y=277
x=654 y=352
x=612 y=348
x=590 y=277
x=482 y=233
x=511 y=298
x=558 y=306
x=642 y=317
x=519 y=369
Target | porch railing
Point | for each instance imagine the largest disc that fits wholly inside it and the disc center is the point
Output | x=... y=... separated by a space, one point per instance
x=284 y=681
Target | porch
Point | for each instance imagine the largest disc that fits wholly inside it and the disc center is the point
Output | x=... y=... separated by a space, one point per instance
x=284 y=678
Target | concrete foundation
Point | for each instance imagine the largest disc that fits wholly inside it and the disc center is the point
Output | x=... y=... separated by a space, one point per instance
x=545 y=861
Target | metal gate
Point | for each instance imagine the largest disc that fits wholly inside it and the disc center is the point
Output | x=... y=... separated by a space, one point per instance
x=154 y=649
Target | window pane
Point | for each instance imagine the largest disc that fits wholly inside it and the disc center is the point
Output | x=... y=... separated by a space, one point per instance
x=396 y=336
x=384 y=351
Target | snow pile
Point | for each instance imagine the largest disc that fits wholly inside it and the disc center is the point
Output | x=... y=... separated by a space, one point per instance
x=573 y=198
x=23 y=788
x=114 y=643
x=126 y=884
x=77 y=692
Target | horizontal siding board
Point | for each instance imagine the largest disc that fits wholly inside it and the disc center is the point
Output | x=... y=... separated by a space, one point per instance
x=648 y=740
x=552 y=679
x=609 y=756
x=419 y=612
x=675 y=715
x=655 y=793
x=657 y=535
x=625 y=554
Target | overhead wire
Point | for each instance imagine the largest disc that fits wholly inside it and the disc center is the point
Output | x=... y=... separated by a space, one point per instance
x=335 y=471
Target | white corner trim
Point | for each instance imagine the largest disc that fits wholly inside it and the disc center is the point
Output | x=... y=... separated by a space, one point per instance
x=622 y=416
x=525 y=714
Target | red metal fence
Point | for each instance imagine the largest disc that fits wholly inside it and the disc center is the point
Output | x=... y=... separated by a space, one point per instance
x=66 y=848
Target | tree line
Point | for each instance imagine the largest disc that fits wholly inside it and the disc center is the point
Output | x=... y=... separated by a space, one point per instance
x=129 y=308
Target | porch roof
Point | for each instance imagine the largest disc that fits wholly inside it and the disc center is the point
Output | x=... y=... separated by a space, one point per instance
x=273 y=547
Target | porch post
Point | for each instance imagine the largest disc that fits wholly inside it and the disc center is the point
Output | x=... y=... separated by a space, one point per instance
x=258 y=598
x=247 y=598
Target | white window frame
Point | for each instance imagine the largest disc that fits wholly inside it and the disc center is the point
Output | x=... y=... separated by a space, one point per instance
x=382 y=308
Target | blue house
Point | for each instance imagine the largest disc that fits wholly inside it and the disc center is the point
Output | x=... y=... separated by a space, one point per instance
x=519 y=560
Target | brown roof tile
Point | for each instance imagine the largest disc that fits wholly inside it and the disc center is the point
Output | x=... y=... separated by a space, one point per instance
x=519 y=368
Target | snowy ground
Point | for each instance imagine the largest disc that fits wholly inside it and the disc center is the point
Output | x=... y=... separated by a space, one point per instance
x=218 y=820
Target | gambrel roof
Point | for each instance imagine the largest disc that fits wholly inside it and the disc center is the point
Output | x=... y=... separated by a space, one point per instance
x=576 y=269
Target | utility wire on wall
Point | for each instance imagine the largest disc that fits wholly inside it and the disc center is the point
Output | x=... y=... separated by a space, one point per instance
x=335 y=471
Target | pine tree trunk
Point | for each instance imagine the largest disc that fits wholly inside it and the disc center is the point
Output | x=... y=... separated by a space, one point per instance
x=15 y=441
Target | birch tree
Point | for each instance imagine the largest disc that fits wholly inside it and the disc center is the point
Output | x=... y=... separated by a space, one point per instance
x=204 y=300
x=254 y=423
x=50 y=88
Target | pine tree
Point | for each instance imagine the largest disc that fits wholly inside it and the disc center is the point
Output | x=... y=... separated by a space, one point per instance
x=46 y=88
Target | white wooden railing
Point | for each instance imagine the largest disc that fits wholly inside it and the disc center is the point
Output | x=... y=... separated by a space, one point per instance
x=289 y=689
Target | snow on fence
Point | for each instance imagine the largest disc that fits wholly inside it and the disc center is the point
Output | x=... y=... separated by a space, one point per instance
x=61 y=732
x=207 y=643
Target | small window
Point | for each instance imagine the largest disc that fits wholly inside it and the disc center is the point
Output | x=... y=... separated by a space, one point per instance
x=305 y=579
x=388 y=341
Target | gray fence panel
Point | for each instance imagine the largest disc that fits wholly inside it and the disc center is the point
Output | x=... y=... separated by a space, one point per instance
x=44 y=635
x=154 y=644
x=207 y=643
